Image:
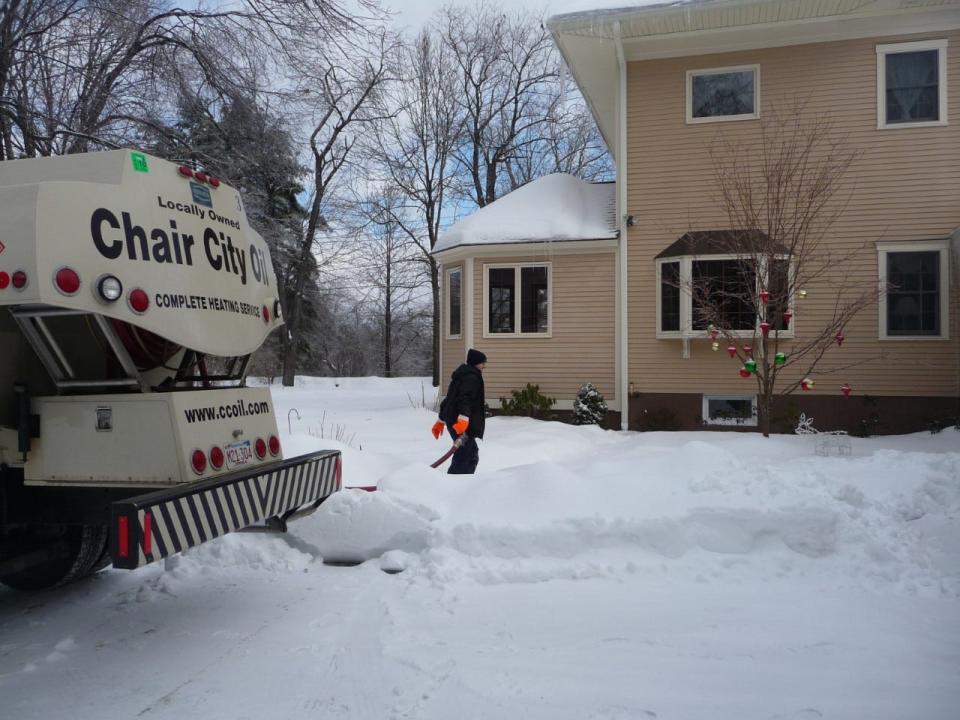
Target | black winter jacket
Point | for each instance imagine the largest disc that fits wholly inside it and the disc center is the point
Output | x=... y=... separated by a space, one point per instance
x=465 y=397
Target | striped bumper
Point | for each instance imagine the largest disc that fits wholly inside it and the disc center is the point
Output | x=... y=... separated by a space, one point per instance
x=159 y=524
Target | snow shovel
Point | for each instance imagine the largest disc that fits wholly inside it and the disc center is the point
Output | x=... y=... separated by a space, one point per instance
x=456 y=446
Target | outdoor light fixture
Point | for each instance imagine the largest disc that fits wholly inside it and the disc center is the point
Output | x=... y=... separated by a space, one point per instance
x=109 y=288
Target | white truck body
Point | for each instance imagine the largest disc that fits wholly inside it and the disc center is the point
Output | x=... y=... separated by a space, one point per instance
x=132 y=292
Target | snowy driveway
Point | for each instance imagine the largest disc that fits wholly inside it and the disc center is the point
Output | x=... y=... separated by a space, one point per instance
x=581 y=574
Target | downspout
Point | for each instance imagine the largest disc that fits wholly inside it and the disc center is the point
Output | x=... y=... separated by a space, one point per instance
x=623 y=367
x=467 y=283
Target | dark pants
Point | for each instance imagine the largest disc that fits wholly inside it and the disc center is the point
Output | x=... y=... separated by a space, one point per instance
x=466 y=457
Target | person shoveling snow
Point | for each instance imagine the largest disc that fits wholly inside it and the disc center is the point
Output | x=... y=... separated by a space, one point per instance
x=462 y=413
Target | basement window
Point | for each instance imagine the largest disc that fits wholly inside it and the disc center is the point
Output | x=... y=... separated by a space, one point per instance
x=730 y=410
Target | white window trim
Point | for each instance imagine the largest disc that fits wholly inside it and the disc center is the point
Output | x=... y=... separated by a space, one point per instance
x=724 y=118
x=894 y=48
x=943 y=246
x=749 y=422
x=447 y=274
x=686 y=300
x=516 y=310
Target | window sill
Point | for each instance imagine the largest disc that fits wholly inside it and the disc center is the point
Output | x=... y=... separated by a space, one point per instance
x=907 y=126
x=721 y=118
x=517 y=336
x=913 y=338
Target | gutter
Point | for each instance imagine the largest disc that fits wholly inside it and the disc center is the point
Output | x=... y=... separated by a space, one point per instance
x=623 y=367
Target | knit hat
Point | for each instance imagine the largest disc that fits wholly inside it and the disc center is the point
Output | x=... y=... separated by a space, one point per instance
x=475 y=357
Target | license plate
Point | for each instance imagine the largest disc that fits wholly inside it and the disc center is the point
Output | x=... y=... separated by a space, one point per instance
x=239 y=454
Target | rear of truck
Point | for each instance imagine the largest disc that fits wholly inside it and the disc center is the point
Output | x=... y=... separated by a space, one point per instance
x=132 y=293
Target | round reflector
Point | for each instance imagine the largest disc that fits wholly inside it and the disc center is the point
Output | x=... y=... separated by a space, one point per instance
x=274 y=445
x=185 y=171
x=67 y=281
x=266 y=314
x=200 y=176
x=214 y=181
x=261 y=448
x=276 y=309
x=4 y=280
x=199 y=461
x=216 y=457
x=19 y=279
x=139 y=300
x=109 y=288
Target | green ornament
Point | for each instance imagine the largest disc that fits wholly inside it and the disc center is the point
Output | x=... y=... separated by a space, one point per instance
x=779 y=359
x=751 y=365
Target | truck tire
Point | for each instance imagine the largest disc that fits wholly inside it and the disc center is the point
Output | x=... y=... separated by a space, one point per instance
x=87 y=546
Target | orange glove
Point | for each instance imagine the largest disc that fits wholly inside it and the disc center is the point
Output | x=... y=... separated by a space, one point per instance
x=437 y=429
x=461 y=425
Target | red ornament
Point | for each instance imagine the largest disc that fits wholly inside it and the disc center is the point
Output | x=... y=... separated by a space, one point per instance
x=714 y=333
x=732 y=349
x=845 y=389
x=806 y=384
x=764 y=296
x=765 y=328
x=786 y=318
x=744 y=373
x=840 y=338
x=747 y=349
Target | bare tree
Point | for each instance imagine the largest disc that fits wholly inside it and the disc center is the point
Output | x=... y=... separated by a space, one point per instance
x=781 y=195
x=504 y=63
x=412 y=151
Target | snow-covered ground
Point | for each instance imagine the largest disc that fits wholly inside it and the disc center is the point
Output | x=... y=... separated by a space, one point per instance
x=580 y=574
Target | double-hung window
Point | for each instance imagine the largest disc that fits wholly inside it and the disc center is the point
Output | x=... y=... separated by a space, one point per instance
x=695 y=292
x=912 y=84
x=516 y=299
x=914 y=288
x=730 y=93
x=454 y=302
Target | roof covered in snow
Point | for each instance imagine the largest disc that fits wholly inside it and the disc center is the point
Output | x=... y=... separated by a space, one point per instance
x=555 y=207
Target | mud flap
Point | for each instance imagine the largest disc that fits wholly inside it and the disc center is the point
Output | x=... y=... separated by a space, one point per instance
x=159 y=524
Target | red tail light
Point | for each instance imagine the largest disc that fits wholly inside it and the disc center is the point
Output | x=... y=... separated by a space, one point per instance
x=200 y=176
x=338 y=471
x=147 y=533
x=261 y=447
x=199 y=461
x=214 y=181
x=266 y=314
x=4 y=280
x=67 y=281
x=139 y=300
x=19 y=279
x=216 y=457
x=123 y=537
x=185 y=171
x=274 y=445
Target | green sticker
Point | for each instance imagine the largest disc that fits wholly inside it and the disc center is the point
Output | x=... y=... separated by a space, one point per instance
x=139 y=162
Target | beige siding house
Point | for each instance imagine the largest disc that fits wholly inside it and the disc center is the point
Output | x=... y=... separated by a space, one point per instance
x=668 y=83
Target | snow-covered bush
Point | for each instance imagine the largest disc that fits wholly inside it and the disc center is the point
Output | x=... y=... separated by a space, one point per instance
x=589 y=408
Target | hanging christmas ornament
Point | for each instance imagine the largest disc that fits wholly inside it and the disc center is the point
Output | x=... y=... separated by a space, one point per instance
x=803 y=294
x=714 y=333
x=715 y=346
x=806 y=384
x=765 y=328
x=750 y=365
x=786 y=318
x=845 y=389
x=744 y=373
x=747 y=350
x=732 y=349
x=779 y=359
x=840 y=338
x=764 y=296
